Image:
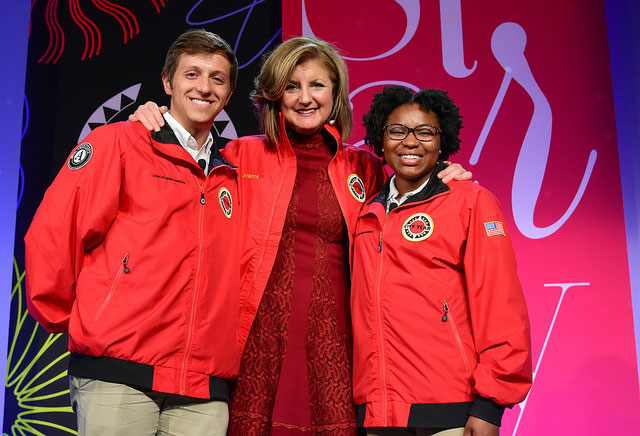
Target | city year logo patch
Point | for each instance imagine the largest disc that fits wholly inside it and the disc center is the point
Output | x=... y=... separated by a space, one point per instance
x=418 y=227
x=356 y=187
x=226 y=203
x=80 y=156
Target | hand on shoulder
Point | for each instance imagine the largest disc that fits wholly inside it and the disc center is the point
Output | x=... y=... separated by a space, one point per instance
x=454 y=171
x=150 y=115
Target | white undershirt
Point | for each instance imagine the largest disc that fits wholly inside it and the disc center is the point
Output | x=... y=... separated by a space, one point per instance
x=393 y=193
x=189 y=143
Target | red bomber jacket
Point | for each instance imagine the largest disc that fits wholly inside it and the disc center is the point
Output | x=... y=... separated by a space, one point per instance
x=135 y=252
x=440 y=324
x=268 y=178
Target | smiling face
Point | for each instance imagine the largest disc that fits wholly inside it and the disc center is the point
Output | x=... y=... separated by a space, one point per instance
x=199 y=90
x=308 y=98
x=412 y=161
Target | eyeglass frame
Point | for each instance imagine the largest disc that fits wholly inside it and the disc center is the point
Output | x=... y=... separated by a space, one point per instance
x=412 y=130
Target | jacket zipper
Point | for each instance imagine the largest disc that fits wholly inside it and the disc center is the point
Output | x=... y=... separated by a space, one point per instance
x=187 y=349
x=122 y=269
x=448 y=317
x=383 y=380
x=273 y=211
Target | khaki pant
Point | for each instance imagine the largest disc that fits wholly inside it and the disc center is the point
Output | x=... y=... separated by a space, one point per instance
x=399 y=431
x=110 y=409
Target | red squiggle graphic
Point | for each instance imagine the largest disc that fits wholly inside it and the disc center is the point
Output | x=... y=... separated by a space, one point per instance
x=91 y=32
x=121 y=14
x=92 y=35
x=33 y=2
x=155 y=3
x=56 y=34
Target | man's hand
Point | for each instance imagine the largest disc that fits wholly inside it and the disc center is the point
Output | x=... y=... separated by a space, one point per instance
x=150 y=115
x=480 y=427
x=453 y=171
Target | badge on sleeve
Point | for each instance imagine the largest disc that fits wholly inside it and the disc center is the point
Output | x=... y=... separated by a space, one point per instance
x=418 y=227
x=80 y=156
x=494 y=228
x=356 y=187
x=224 y=196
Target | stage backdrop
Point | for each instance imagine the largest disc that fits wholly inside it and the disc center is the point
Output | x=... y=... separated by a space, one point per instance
x=91 y=63
x=534 y=85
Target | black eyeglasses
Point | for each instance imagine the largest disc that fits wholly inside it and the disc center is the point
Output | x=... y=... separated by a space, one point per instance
x=423 y=132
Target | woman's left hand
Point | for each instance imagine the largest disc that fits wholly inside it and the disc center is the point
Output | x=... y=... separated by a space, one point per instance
x=480 y=427
x=454 y=171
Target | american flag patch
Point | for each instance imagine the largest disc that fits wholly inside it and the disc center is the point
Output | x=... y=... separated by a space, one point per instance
x=494 y=228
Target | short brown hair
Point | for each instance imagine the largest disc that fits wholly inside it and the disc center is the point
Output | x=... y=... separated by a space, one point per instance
x=197 y=41
x=276 y=72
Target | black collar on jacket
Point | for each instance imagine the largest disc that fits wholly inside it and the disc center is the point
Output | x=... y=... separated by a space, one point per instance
x=433 y=187
x=167 y=136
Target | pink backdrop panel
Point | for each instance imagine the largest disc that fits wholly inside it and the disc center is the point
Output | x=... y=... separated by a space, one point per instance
x=533 y=82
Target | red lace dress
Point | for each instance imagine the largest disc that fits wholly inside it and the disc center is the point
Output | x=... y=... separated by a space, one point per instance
x=295 y=376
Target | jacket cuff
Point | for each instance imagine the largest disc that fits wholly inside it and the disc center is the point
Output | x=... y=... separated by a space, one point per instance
x=488 y=410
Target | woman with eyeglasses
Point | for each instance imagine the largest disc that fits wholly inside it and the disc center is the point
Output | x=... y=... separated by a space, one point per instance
x=440 y=324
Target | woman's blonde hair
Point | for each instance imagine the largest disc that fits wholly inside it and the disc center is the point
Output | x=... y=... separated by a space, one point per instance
x=274 y=77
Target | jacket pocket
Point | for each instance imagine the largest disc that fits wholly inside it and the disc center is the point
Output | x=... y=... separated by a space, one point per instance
x=448 y=317
x=123 y=269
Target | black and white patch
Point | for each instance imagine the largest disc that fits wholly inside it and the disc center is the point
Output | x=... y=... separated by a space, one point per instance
x=226 y=203
x=356 y=187
x=80 y=156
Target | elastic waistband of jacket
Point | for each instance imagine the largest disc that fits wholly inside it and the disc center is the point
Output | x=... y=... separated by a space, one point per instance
x=435 y=415
x=132 y=374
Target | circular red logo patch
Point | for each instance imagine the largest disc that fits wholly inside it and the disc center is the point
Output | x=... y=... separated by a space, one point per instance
x=356 y=187
x=226 y=203
x=418 y=227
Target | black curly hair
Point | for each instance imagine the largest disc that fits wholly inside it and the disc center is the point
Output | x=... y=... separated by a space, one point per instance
x=434 y=100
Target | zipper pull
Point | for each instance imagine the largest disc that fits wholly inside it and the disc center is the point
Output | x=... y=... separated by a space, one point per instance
x=202 y=201
x=380 y=243
x=125 y=268
x=446 y=310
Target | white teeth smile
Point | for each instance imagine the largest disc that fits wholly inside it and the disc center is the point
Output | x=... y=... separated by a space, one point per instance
x=410 y=156
x=200 y=102
x=306 y=111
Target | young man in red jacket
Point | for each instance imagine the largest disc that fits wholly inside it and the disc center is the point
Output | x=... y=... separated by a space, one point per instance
x=124 y=253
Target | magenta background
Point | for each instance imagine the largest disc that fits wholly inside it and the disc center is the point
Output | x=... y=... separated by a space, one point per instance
x=587 y=379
